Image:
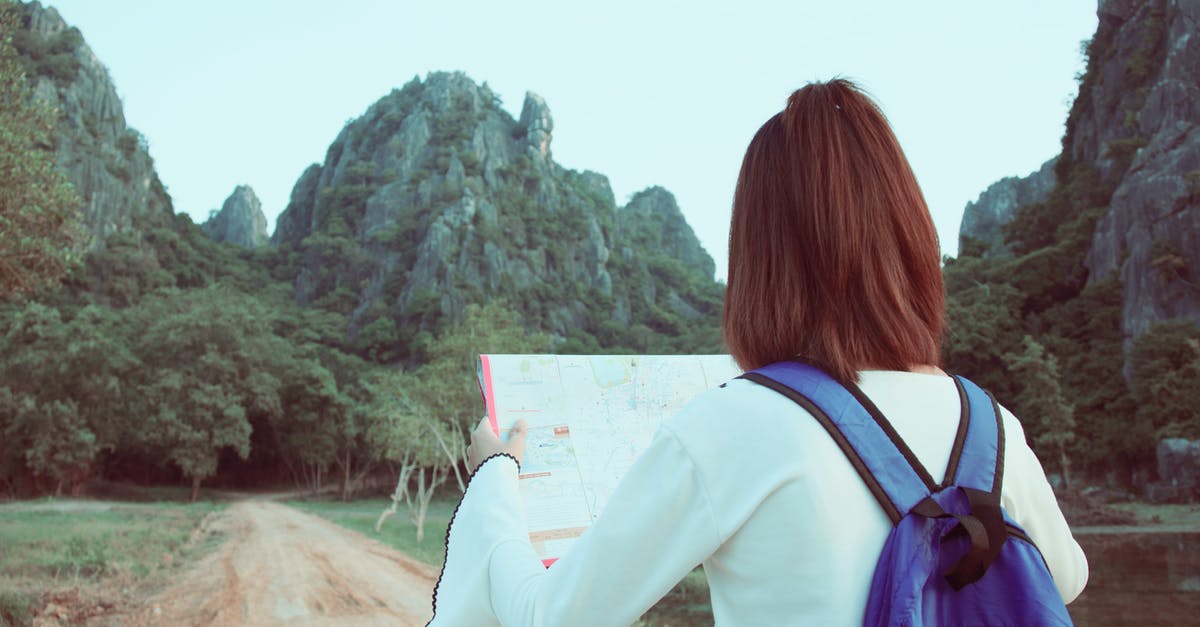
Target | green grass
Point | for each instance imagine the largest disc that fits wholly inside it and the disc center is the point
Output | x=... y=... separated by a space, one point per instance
x=51 y=543
x=397 y=531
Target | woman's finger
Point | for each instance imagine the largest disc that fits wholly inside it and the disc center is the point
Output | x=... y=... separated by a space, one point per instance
x=516 y=440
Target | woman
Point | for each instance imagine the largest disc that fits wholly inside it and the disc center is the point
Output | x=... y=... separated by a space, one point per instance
x=833 y=258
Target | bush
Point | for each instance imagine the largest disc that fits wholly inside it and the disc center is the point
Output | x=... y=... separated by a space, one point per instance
x=1165 y=364
x=16 y=608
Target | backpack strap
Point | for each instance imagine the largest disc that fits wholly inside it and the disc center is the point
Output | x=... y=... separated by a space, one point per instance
x=888 y=467
x=980 y=460
x=876 y=451
x=976 y=468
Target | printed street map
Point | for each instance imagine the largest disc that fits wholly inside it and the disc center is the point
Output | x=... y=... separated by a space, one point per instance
x=589 y=417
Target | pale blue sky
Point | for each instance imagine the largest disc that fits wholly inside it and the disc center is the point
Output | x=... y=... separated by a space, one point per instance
x=649 y=93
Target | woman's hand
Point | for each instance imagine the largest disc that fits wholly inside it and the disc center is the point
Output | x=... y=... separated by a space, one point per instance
x=484 y=443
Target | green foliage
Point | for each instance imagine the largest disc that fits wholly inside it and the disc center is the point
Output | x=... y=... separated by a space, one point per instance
x=1149 y=53
x=1169 y=263
x=1122 y=151
x=983 y=327
x=1085 y=335
x=445 y=385
x=52 y=56
x=455 y=125
x=1042 y=399
x=39 y=210
x=62 y=400
x=340 y=208
x=16 y=607
x=1165 y=365
x=208 y=356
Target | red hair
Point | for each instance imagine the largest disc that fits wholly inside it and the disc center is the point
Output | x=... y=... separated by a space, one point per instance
x=833 y=256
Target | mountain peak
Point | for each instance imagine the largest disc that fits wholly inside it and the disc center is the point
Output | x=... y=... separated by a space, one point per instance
x=537 y=124
x=240 y=220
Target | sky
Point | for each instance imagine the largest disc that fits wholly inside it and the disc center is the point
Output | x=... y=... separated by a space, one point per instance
x=646 y=92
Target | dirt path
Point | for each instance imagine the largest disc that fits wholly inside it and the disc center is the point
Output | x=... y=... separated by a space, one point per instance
x=280 y=565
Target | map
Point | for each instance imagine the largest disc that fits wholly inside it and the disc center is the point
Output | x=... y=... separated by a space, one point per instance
x=589 y=417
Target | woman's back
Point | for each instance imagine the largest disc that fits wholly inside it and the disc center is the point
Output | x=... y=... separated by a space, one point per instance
x=800 y=531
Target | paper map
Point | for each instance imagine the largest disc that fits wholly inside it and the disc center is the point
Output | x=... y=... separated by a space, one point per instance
x=589 y=417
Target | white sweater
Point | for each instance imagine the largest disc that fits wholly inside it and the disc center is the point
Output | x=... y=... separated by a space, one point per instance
x=746 y=482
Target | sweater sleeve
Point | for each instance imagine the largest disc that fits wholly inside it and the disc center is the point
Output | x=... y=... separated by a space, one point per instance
x=1029 y=499
x=657 y=526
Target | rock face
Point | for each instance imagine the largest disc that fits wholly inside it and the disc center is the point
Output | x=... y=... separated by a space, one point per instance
x=983 y=219
x=1145 y=112
x=240 y=221
x=1135 y=127
x=653 y=221
x=106 y=161
x=1178 y=471
x=436 y=198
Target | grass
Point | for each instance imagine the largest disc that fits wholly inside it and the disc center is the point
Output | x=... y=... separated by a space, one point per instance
x=398 y=531
x=50 y=544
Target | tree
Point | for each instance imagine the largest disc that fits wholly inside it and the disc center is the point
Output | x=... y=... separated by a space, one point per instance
x=67 y=382
x=405 y=434
x=422 y=415
x=1165 y=365
x=983 y=325
x=446 y=384
x=39 y=209
x=1042 y=399
x=210 y=357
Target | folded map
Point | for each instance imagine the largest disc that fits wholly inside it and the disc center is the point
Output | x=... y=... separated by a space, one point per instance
x=589 y=418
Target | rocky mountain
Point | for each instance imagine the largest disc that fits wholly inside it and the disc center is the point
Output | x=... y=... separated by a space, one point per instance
x=1144 y=110
x=433 y=199
x=1131 y=154
x=980 y=232
x=436 y=197
x=106 y=161
x=240 y=221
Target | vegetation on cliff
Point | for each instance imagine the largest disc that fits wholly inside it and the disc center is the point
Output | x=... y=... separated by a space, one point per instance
x=1122 y=343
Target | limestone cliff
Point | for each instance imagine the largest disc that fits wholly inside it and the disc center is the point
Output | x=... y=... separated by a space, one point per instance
x=1144 y=111
x=106 y=161
x=240 y=221
x=1131 y=153
x=436 y=197
x=980 y=233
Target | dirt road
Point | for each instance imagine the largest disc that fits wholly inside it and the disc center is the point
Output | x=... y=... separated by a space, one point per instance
x=280 y=565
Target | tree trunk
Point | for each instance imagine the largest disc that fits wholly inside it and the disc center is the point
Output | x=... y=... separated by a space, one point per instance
x=417 y=513
x=195 y=489
x=399 y=494
x=346 y=478
x=1065 y=464
x=462 y=486
x=437 y=476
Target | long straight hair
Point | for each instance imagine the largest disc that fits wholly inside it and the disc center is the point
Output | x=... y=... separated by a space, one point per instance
x=833 y=256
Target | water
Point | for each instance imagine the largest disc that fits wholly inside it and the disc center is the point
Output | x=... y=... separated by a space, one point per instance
x=1140 y=579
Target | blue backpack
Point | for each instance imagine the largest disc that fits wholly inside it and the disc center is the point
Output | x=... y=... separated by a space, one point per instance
x=953 y=557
